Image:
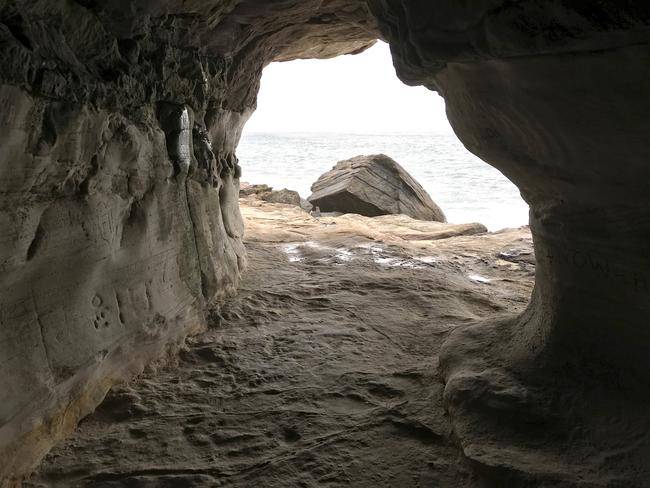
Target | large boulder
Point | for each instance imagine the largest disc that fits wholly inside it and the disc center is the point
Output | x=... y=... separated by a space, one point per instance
x=373 y=185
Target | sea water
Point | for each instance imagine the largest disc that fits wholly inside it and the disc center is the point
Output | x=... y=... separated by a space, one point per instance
x=465 y=187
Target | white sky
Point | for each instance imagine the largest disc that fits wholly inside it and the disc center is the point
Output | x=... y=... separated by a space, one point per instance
x=357 y=94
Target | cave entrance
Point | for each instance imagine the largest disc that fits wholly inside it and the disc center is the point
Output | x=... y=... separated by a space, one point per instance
x=325 y=364
x=313 y=113
x=323 y=368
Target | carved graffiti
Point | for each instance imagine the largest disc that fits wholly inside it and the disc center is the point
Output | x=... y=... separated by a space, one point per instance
x=602 y=267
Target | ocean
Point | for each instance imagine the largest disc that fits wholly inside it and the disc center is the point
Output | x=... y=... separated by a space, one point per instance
x=466 y=188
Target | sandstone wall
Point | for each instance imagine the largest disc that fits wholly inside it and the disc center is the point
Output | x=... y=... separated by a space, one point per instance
x=119 y=186
x=555 y=95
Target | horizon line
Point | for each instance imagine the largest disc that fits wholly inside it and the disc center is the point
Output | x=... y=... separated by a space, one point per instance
x=433 y=132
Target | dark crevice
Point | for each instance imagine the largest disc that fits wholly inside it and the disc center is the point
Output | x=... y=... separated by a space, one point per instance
x=120 y=315
x=36 y=242
x=111 y=75
x=48 y=129
x=16 y=26
x=89 y=4
x=85 y=184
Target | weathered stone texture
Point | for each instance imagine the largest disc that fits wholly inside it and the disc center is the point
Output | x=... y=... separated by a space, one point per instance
x=556 y=96
x=371 y=186
x=118 y=204
x=119 y=186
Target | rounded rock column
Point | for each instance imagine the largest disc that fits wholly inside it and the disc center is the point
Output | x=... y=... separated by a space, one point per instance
x=571 y=374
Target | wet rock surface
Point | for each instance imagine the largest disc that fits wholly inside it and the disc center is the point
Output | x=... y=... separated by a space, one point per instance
x=371 y=186
x=322 y=371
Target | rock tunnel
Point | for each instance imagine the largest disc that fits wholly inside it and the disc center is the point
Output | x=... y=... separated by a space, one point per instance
x=121 y=227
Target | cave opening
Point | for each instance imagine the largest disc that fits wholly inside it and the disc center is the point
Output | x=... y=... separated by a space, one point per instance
x=313 y=113
x=324 y=363
x=123 y=237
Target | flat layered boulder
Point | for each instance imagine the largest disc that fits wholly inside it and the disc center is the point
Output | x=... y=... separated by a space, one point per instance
x=372 y=186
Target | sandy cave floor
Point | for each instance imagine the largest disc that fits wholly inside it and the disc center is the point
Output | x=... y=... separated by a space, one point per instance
x=321 y=372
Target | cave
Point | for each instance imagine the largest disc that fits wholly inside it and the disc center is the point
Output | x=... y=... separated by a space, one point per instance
x=122 y=230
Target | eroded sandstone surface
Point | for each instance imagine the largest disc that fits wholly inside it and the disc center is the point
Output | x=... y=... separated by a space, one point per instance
x=322 y=371
x=119 y=186
x=371 y=186
x=121 y=229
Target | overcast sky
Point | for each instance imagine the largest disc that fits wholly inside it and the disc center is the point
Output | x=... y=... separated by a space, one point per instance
x=358 y=93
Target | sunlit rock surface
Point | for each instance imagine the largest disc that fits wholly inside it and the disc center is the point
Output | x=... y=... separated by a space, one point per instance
x=118 y=191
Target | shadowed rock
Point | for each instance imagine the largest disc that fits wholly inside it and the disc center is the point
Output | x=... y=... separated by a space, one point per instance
x=371 y=186
x=121 y=227
x=319 y=373
x=119 y=186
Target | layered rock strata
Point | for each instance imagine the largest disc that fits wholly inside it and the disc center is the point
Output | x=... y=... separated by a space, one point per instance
x=118 y=188
x=372 y=186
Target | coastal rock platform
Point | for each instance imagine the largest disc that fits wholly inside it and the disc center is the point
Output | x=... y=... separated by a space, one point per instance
x=322 y=371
